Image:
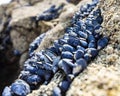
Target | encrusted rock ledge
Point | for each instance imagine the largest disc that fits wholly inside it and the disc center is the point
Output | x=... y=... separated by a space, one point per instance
x=102 y=75
x=101 y=78
x=17 y=21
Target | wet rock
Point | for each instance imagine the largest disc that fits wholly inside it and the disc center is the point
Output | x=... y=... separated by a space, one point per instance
x=25 y=29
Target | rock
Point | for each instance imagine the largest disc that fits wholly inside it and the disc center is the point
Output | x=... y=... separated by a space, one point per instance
x=25 y=29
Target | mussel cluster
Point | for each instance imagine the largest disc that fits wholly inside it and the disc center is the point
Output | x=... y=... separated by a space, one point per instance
x=34 y=45
x=71 y=54
x=50 y=14
x=73 y=1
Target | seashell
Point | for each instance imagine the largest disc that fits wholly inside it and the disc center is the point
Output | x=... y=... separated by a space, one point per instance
x=95 y=2
x=48 y=75
x=54 y=50
x=66 y=65
x=67 y=55
x=47 y=16
x=20 y=88
x=46 y=66
x=81 y=64
x=31 y=69
x=83 y=43
x=62 y=41
x=44 y=74
x=73 y=41
x=94 y=21
x=71 y=33
x=78 y=54
x=89 y=27
x=66 y=36
x=33 y=79
x=84 y=8
x=41 y=72
x=88 y=20
x=92 y=44
x=90 y=8
x=24 y=74
x=39 y=56
x=76 y=28
x=67 y=47
x=88 y=31
x=102 y=42
x=80 y=48
x=55 y=64
x=68 y=62
x=64 y=85
x=91 y=38
x=87 y=57
x=87 y=13
x=97 y=35
x=97 y=28
x=82 y=34
x=34 y=45
x=51 y=9
x=68 y=29
x=99 y=19
x=7 y=92
x=47 y=58
x=70 y=77
x=50 y=54
x=58 y=47
x=42 y=58
x=92 y=51
x=39 y=64
x=96 y=12
x=80 y=23
x=73 y=1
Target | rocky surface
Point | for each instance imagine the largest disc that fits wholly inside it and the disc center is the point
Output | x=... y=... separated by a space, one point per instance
x=102 y=75
x=101 y=78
